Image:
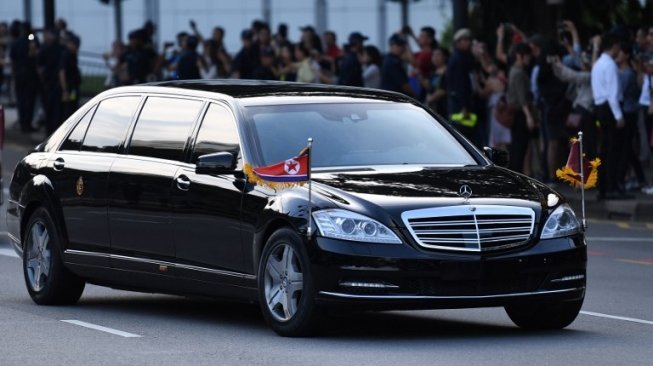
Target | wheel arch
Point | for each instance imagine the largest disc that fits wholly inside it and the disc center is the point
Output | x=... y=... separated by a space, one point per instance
x=261 y=239
x=39 y=192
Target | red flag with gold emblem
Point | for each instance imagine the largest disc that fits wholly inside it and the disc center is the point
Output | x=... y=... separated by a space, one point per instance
x=287 y=173
x=570 y=173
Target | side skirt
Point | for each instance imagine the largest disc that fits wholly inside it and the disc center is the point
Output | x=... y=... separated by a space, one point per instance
x=155 y=276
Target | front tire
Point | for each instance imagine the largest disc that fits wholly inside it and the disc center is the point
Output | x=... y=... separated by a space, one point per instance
x=555 y=315
x=48 y=281
x=285 y=285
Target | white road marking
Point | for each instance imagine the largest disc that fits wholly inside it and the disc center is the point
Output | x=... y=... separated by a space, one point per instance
x=8 y=252
x=618 y=239
x=102 y=329
x=624 y=318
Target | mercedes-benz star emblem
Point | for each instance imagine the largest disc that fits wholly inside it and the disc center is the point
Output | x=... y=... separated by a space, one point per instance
x=465 y=191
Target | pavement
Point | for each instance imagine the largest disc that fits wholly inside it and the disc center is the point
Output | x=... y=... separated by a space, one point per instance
x=110 y=327
x=637 y=209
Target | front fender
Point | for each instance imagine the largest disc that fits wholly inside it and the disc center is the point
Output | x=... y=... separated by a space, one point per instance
x=288 y=208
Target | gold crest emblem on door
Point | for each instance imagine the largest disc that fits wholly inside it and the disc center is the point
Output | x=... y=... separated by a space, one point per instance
x=79 y=186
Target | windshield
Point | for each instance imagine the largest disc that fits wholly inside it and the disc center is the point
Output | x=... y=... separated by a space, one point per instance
x=355 y=134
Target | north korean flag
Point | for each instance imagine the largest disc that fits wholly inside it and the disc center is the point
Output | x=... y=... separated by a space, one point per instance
x=291 y=170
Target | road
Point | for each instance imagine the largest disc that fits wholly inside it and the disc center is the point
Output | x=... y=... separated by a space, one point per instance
x=122 y=328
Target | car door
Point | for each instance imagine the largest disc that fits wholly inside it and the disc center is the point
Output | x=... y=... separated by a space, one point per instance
x=79 y=175
x=206 y=212
x=140 y=182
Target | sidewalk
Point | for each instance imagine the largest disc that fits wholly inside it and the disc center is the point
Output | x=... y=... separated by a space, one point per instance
x=638 y=209
x=13 y=136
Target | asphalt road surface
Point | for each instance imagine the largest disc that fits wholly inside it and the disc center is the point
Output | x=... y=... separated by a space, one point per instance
x=123 y=328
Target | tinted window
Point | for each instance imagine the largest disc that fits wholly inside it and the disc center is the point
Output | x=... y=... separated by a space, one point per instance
x=355 y=134
x=110 y=123
x=55 y=139
x=163 y=127
x=217 y=133
x=74 y=140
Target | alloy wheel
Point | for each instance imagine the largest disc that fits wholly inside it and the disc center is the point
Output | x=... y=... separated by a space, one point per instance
x=283 y=282
x=39 y=258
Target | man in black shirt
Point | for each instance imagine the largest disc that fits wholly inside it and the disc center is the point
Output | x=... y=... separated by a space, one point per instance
x=23 y=54
x=49 y=58
x=70 y=76
x=393 y=74
x=459 y=82
x=351 y=71
x=265 y=70
x=138 y=60
x=247 y=58
x=188 y=66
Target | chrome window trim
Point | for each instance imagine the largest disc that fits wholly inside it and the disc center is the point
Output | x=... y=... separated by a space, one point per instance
x=430 y=297
x=158 y=262
x=469 y=210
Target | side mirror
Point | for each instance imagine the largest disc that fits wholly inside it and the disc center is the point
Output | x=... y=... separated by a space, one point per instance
x=216 y=163
x=497 y=156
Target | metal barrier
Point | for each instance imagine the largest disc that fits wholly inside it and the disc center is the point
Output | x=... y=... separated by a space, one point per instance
x=94 y=73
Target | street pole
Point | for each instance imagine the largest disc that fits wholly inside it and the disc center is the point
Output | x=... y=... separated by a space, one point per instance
x=321 y=16
x=117 y=14
x=460 y=8
x=267 y=12
x=382 y=24
x=152 y=14
x=582 y=178
x=404 y=13
x=27 y=10
x=48 y=14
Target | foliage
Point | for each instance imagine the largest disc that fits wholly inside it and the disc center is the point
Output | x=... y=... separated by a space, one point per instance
x=536 y=16
x=92 y=85
x=446 y=37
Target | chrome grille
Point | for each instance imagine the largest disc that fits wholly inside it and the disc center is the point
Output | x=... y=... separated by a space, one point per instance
x=472 y=228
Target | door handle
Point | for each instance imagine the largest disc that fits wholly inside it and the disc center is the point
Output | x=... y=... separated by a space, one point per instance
x=183 y=183
x=59 y=164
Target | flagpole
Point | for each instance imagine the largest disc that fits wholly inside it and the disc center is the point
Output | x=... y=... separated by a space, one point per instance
x=582 y=179
x=309 y=230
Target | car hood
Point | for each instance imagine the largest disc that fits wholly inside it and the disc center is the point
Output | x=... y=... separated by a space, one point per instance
x=394 y=190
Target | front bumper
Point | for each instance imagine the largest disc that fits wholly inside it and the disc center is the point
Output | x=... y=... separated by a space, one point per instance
x=400 y=276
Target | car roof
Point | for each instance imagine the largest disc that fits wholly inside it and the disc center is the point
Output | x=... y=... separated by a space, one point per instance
x=258 y=88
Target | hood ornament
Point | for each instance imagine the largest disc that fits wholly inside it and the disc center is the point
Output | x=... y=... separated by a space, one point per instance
x=465 y=192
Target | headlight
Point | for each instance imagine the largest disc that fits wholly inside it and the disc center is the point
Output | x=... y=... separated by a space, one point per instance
x=347 y=225
x=562 y=222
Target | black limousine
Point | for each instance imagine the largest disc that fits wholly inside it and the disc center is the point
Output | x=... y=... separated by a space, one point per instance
x=144 y=189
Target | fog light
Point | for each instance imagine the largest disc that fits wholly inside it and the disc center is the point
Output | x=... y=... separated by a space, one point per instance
x=569 y=278
x=357 y=284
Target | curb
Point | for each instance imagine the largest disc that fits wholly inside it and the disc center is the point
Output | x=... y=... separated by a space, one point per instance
x=639 y=209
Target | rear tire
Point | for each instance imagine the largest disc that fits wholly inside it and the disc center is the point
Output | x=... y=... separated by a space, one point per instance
x=48 y=281
x=285 y=286
x=555 y=315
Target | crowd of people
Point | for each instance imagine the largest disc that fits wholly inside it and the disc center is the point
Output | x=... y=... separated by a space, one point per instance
x=40 y=67
x=528 y=94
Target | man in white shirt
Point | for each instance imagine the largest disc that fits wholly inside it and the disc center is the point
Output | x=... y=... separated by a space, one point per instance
x=605 y=89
